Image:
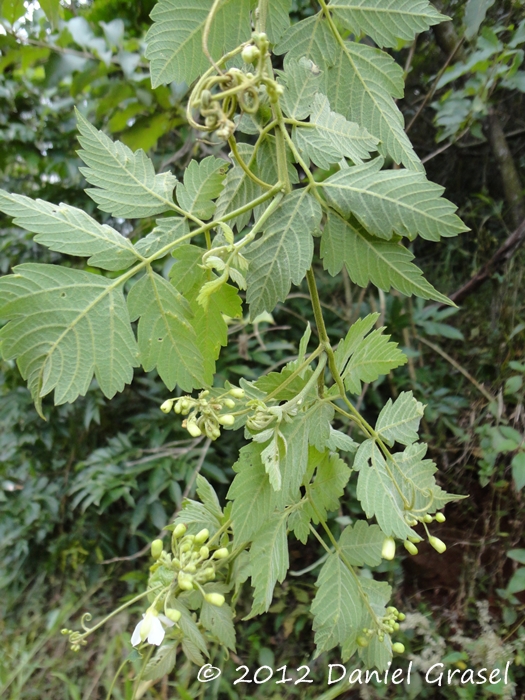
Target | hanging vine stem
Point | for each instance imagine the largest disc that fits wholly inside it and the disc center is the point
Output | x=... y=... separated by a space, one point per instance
x=206 y=34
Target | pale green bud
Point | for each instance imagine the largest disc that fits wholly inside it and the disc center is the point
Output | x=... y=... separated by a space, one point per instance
x=193 y=429
x=226 y=419
x=411 y=548
x=202 y=536
x=209 y=573
x=156 y=548
x=250 y=54
x=185 y=581
x=440 y=518
x=229 y=403
x=216 y=599
x=204 y=552
x=237 y=392
x=389 y=548
x=362 y=642
x=167 y=405
x=401 y=617
x=428 y=518
x=173 y=615
x=438 y=545
x=398 y=648
x=179 y=530
x=190 y=568
x=221 y=553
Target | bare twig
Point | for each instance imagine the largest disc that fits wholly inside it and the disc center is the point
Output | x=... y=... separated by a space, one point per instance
x=457 y=366
x=501 y=256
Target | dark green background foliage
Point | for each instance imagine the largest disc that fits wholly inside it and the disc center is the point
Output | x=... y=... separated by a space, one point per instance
x=99 y=479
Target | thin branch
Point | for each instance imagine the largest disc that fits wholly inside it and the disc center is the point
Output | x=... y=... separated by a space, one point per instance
x=501 y=256
x=457 y=366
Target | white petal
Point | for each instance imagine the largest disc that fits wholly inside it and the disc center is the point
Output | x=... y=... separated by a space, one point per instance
x=156 y=633
x=165 y=620
x=135 y=637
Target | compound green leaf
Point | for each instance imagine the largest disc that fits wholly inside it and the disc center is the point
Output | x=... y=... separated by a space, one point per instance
x=378 y=654
x=277 y=19
x=252 y=495
x=70 y=230
x=238 y=190
x=208 y=497
x=174 y=41
x=331 y=477
x=331 y=137
x=166 y=231
x=337 y=607
x=364 y=359
x=411 y=467
x=386 y=21
x=359 y=81
x=189 y=627
x=301 y=82
x=208 y=323
x=64 y=325
x=270 y=383
x=269 y=560
x=353 y=338
x=283 y=254
x=399 y=421
x=203 y=182
x=219 y=622
x=393 y=201
x=196 y=516
x=163 y=662
x=378 y=493
x=124 y=182
x=362 y=543
x=384 y=263
x=166 y=338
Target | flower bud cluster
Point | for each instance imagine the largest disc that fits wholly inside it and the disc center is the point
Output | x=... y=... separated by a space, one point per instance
x=192 y=562
x=388 y=624
x=204 y=415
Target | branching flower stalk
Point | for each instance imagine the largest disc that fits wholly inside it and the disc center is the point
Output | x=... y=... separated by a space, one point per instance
x=303 y=162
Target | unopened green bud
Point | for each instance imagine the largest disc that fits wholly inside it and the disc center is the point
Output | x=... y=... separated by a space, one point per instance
x=396 y=626
x=204 y=552
x=411 y=521
x=185 y=581
x=173 y=615
x=193 y=429
x=179 y=530
x=156 y=548
x=221 y=553
x=438 y=544
x=226 y=419
x=178 y=406
x=202 y=536
x=229 y=403
x=167 y=405
x=389 y=548
x=190 y=568
x=428 y=518
x=440 y=518
x=411 y=548
x=237 y=392
x=250 y=54
x=413 y=539
x=398 y=648
x=362 y=642
x=209 y=573
x=401 y=617
x=216 y=599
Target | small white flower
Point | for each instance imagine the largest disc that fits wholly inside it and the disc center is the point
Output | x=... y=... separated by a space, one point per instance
x=150 y=628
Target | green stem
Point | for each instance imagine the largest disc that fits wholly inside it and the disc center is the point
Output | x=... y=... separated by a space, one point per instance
x=233 y=145
x=295 y=373
x=141 y=673
x=115 y=678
